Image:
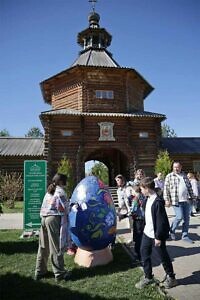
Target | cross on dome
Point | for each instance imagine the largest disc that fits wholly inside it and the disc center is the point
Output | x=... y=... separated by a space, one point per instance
x=93 y=4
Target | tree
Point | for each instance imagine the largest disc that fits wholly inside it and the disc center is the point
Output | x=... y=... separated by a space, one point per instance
x=163 y=163
x=4 y=132
x=34 y=132
x=65 y=167
x=101 y=171
x=167 y=131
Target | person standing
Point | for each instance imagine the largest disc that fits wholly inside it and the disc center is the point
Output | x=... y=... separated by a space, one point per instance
x=159 y=184
x=159 y=181
x=194 y=184
x=177 y=192
x=124 y=208
x=139 y=175
x=54 y=230
x=198 y=198
x=156 y=232
x=137 y=213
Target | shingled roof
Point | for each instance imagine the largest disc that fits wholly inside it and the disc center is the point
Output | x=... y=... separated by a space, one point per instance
x=182 y=145
x=140 y=114
x=10 y=146
x=96 y=57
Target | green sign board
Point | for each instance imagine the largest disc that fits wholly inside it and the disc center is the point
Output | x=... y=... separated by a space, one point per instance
x=35 y=178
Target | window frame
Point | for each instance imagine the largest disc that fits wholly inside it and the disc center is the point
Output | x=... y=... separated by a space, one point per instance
x=104 y=94
x=66 y=132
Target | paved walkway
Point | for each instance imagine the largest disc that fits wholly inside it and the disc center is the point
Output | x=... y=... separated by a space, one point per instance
x=11 y=221
x=186 y=258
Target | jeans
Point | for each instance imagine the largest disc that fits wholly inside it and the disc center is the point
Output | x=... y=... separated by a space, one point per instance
x=182 y=212
x=146 y=250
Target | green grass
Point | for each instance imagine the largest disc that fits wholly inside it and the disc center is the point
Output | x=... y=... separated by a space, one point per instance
x=113 y=281
x=17 y=209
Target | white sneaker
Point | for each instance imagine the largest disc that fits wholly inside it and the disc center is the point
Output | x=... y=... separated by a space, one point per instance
x=144 y=282
x=187 y=239
x=170 y=282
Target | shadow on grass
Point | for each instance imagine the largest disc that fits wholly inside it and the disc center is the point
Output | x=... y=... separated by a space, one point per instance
x=14 y=286
x=121 y=263
x=21 y=246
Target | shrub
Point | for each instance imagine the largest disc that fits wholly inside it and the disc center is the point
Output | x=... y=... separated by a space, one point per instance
x=65 y=167
x=163 y=163
x=10 y=186
x=101 y=171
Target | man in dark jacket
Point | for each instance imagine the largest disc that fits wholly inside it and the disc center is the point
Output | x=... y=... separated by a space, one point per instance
x=156 y=232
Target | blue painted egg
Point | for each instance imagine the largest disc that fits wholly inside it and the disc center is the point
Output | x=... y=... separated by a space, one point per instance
x=92 y=217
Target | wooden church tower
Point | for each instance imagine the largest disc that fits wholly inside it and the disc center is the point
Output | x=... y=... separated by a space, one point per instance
x=98 y=112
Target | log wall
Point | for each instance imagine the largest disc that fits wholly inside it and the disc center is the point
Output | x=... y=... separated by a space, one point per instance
x=86 y=133
x=77 y=91
x=15 y=163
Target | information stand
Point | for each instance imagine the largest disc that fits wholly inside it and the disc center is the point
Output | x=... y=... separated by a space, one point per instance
x=35 y=184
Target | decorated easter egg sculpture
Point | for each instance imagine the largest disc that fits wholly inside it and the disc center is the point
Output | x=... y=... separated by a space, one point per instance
x=92 y=217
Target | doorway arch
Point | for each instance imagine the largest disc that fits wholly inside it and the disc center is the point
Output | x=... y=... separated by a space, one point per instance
x=117 y=162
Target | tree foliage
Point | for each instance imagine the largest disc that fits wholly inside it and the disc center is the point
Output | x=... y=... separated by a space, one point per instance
x=65 y=167
x=163 y=163
x=34 y=132
x=101 y=171
x=167 y=131
x=11 y=186
x=4 y=132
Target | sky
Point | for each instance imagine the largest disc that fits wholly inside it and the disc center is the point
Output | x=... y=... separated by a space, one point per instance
x=160 y=39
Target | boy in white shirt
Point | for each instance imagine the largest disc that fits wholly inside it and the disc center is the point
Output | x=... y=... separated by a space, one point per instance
x=156 y=232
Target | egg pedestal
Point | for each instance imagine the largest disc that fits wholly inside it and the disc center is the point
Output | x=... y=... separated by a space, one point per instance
x=92 y=220
x=88 y=259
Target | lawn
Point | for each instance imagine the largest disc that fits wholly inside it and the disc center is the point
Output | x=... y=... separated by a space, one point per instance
x=113 y=281
x=17 y=209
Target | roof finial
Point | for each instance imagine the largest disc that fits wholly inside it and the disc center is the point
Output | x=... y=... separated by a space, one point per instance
x=93 y=4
